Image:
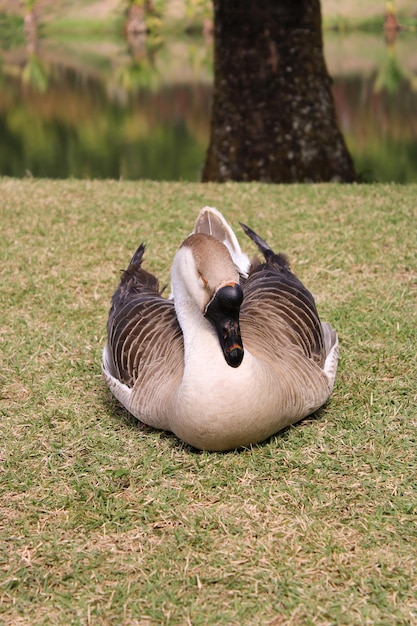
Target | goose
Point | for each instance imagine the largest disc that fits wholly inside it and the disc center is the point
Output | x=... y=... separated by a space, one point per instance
x=233 y=356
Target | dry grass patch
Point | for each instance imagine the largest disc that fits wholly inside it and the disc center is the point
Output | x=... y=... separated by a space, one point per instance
x=105 y=522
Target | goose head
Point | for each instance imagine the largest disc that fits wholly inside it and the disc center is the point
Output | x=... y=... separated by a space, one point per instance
x=205 y=283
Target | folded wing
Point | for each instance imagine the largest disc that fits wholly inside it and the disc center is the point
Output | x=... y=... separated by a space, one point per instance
x=143 y=330
x=279 y=312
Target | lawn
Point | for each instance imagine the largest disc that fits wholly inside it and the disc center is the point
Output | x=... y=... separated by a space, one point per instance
x=104 y=521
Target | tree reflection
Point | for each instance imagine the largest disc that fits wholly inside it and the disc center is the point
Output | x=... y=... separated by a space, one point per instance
x=114 y=106
x=142 y=33
x=143 y=23
x=34 y=73
x=390 y=74
x=31 y=26
x=136 y=76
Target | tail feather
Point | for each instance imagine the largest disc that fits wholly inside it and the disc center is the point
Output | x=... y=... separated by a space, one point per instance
x=280 y=259
x=135 y=279
x=331 y=345
x=329 y=336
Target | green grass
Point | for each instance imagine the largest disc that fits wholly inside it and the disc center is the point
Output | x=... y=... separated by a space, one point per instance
x=104 y=522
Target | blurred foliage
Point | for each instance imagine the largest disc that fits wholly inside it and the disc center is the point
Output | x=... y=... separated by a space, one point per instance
x=380 y=128
x=136 y=76
x=138 y=112
x=34 y=74
x=83 y=129
x=390 y=74
x=197 y=11
x=11 y=31
x=29 y=4
x=377 y=164
x=150 y=11
x=150 y=6
x=82 y=133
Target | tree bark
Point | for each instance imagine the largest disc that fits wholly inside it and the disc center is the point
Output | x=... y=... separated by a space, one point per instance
x=273 y=115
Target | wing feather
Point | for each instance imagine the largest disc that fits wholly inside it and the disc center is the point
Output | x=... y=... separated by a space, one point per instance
x=278 y=311
x=142 y=328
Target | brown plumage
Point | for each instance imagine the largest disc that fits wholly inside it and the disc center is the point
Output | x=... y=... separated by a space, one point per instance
x=163 y=359
x=278 y=309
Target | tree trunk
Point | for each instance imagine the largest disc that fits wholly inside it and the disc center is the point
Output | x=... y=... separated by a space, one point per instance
x=273 y=115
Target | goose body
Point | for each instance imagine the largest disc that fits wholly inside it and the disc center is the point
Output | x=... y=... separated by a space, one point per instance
x=238 y=352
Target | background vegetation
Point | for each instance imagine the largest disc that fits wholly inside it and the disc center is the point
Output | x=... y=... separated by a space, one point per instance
x=78 y=99
x=103 y=521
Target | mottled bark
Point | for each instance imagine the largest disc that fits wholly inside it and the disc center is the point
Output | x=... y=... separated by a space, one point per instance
x=273 y=115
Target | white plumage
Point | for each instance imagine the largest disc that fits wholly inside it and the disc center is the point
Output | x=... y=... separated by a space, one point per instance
x=236 y=355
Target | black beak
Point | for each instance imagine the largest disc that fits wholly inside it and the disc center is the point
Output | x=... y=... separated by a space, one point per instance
x=223 y=312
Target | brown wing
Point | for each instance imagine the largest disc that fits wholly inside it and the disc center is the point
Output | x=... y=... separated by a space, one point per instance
x=278 y=311
x=143 y=330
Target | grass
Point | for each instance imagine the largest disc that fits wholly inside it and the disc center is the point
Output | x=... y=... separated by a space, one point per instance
x=104 y=522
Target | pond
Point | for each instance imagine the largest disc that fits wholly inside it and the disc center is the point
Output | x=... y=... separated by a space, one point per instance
x=99 y=109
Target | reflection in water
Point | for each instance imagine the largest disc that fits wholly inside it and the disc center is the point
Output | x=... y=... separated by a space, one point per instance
x=77 y=130
x=33 y=72
x=380 y=129
x=391 y=74
x=112 y=116
x=146 y=114
x=377 y=105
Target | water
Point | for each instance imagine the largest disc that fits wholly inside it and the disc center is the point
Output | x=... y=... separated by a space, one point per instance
x=90 y=109
x=375 y=91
